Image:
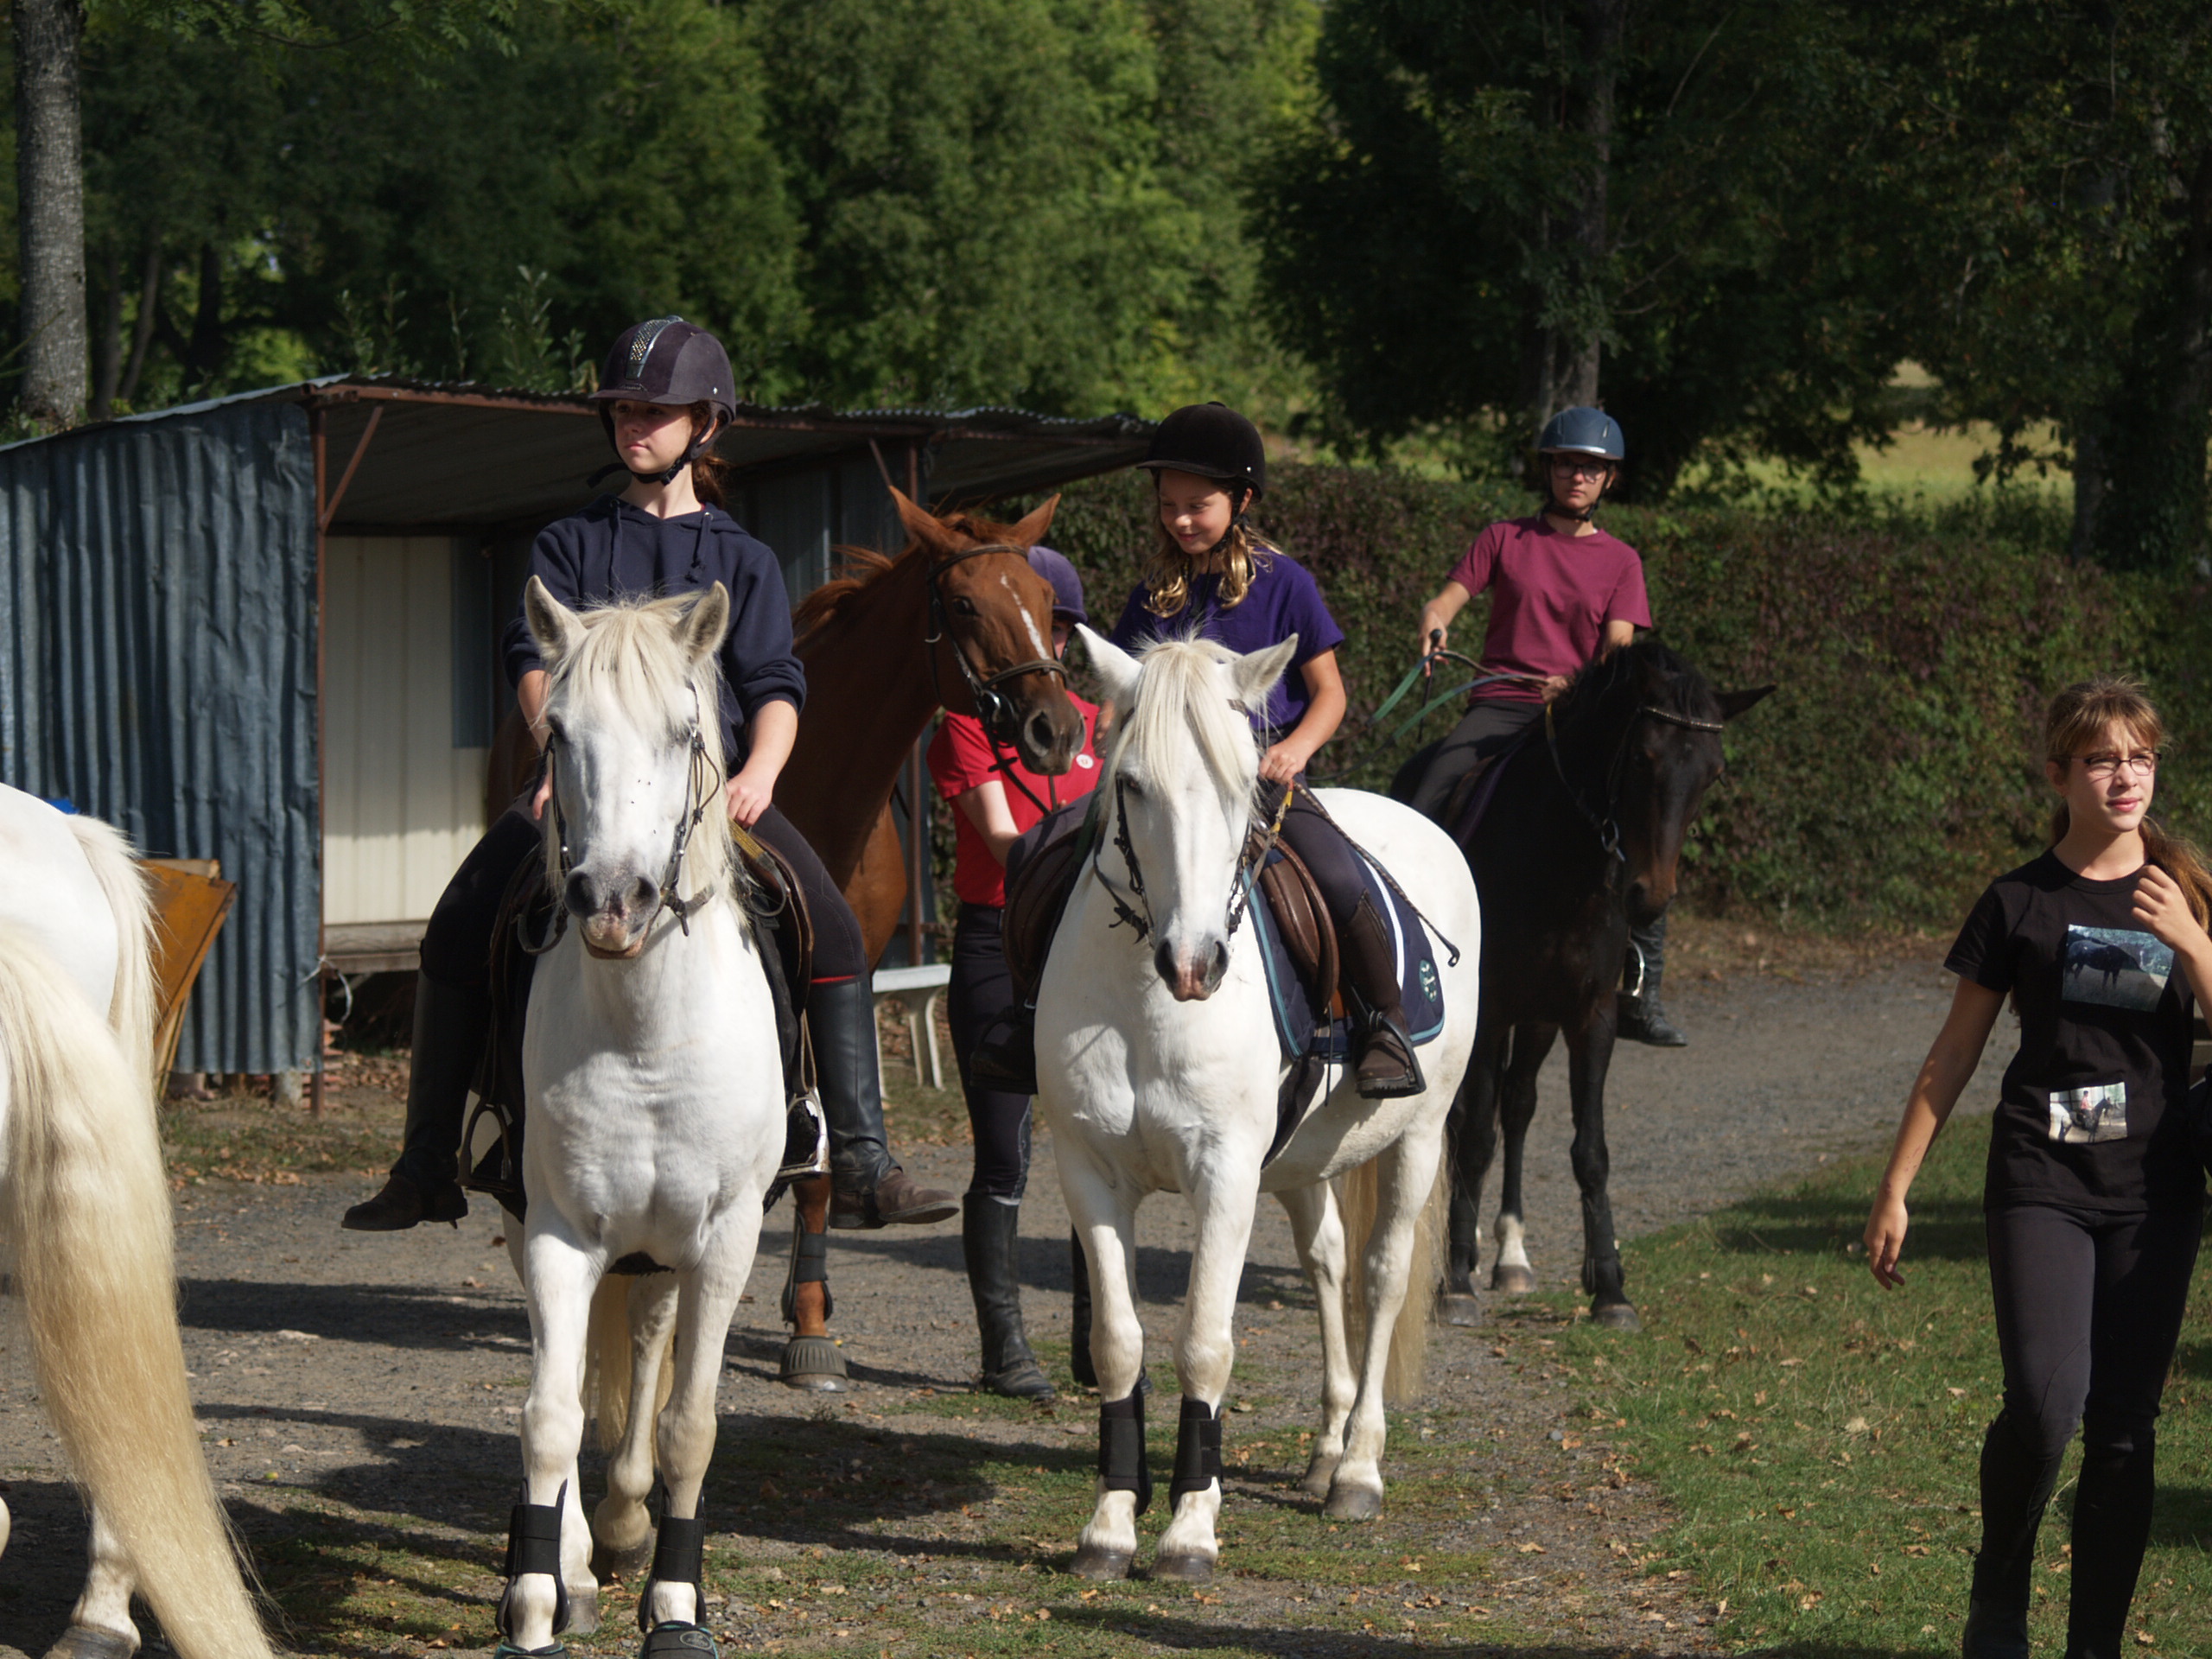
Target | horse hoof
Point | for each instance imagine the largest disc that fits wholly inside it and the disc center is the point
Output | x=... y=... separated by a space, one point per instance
x=1353 y=1503
x=1094 y=1561
x=583 y=1606
x=1187 y=1568
x=1511 y=1279
x=1458 y=1307
x=628 y=1565
x=814 y=1363
x=1615 y=1316
x=82 y=1641
x=1320 y=1475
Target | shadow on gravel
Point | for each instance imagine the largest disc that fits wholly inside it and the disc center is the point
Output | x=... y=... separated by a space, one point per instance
x=44 y=1566
x=1188 y=1636
x=395 y=1316
x=1822 y=1224
x=1045 y=1265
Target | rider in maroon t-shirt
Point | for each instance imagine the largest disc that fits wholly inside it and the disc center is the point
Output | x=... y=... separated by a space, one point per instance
x=1563 y=593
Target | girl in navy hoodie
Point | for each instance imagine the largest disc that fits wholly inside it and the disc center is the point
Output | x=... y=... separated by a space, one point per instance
x=664 y=391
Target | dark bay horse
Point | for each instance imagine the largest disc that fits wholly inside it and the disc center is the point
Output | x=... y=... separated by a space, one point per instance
x=1582 y=837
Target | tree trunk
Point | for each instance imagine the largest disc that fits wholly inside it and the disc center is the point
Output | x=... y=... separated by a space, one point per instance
x=1600 y=30
x=109 y=354
x=50 y=196
x=2088 y=486
x=142 y=327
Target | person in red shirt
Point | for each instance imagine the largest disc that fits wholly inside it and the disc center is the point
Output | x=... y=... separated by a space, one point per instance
x=1563 y=593
x=995 y=797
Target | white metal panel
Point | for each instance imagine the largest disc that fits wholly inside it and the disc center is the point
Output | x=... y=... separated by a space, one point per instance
x=402 y=805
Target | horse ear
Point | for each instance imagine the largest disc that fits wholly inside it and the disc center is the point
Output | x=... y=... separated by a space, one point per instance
x=1733 y=703
x=921 y=523
x=1255 y=675
x=1116 y=670
x=1030 y=530
x=557 y=629
x=704 y=624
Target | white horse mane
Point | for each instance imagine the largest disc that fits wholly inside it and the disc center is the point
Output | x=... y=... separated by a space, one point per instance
x=631 y=657
x=1180 y=699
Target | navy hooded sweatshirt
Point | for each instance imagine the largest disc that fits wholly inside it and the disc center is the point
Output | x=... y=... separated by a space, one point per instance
x=612 y=551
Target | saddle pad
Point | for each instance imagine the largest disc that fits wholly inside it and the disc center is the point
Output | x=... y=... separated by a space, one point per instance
x=1419 y=988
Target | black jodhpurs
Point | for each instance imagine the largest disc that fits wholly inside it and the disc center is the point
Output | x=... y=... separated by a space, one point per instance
x=1488 y=725
x=457 y=944
x=981 y=994
x=2088 y=1310
x=1322 y=847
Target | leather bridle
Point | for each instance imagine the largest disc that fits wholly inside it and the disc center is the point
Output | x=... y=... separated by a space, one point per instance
x=1607 y=824
x=991 y=706
x=1130 y=906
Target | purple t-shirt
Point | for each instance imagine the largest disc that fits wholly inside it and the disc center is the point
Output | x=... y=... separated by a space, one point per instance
x=1552 y=596
x=1283 y=599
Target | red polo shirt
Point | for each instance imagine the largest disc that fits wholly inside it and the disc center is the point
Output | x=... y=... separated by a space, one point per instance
x=960 y=760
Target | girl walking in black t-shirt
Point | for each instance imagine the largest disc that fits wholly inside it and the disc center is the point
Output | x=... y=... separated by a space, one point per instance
x=2094 y=1197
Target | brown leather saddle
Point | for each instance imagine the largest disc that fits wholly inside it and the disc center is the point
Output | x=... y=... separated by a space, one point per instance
x=1037 y=895
x=766 y=886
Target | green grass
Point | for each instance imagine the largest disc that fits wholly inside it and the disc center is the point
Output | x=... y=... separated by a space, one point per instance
x=1818 y=1438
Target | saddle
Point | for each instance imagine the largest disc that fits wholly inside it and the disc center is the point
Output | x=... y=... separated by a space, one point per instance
x=767 y=887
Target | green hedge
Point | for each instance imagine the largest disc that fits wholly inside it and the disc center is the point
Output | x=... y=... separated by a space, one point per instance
x=1894 y=771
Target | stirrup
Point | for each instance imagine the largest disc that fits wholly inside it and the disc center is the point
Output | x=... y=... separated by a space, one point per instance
x=806 y=1138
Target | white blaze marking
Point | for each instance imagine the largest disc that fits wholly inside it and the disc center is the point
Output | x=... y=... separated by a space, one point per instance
x=1036 y=639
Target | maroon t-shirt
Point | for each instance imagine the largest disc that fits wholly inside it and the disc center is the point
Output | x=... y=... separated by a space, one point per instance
x=1552 y=596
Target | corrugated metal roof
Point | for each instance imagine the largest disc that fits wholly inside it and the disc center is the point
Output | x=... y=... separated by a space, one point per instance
x=448 y=454
x=157 y=601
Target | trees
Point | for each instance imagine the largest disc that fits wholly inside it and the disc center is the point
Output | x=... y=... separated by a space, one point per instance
x=1511 y=208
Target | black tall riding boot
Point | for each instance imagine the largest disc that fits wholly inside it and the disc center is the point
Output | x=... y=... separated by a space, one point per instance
x=870 y=1189
x=988 y=1230
x=450 y=1028
x=1386 y=1067
x=1641 y=1018
x=2112 y=1527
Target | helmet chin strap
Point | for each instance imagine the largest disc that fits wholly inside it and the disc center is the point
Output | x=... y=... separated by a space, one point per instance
x=668 y=475
x=1235 y=520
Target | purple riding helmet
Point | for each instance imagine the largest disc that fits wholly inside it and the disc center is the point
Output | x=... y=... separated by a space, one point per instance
x=1067 y=586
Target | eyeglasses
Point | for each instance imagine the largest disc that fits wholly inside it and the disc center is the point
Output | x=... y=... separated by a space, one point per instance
x=2143 y=763
x=1576 y=466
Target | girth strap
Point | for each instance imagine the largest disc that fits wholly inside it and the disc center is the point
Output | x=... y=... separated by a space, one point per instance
x=810 y=1266
x=534 y=1545
x=1121 y=1449
x=679 y=1557
x=1197 y=1450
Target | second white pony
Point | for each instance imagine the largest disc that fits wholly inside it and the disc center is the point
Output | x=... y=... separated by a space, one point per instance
x=655 y=1104
x=1151 y=1089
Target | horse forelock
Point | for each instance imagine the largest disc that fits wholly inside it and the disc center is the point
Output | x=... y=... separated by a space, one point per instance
x=632 y=665
x=1647 y=672
x=1179 y=704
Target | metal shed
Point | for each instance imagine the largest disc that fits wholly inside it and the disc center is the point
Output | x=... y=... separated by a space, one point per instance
x=262 y=630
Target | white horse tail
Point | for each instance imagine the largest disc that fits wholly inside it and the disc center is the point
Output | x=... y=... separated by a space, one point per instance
x=130 y=1006
x=607 y=1364
x=87 y=1210
x=1406 y=1375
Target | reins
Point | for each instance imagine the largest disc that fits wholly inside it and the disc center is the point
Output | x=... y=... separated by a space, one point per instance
x=702 y=785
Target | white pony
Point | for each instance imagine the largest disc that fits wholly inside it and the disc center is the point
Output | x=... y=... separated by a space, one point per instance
x=655 y=1107
x=84 y=1209
x=1159 y=1069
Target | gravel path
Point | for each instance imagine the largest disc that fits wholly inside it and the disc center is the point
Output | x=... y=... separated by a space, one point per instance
x=378 y=1378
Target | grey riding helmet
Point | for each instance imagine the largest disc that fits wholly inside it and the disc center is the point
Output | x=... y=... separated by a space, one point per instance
x=1067 y=586
x=1583 y=431
x=667 y=361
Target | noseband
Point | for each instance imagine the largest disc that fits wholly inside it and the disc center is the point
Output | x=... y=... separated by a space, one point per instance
x=700 y=785
x=1607 y=823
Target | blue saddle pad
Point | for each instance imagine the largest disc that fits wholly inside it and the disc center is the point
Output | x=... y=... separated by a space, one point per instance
x=1298 y=1028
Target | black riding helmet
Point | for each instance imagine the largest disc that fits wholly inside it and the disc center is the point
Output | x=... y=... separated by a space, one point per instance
x=1579 y=431
x=668 y=361
x=1211 y=441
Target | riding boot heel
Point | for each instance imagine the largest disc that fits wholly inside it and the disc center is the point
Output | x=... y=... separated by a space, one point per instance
x=1386 y=1067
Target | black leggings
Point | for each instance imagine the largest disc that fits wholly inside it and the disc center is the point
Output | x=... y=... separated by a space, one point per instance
x=1488 y=726
x=457 y=945
x=981 y=994
x=1322 y=847
x=2088 y=1310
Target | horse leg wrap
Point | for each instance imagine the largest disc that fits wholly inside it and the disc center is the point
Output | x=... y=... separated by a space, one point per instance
x=679 y=1557
x=534 y=1545
x=1197 y=1450
x=1121 y=1449
x=810 y=1266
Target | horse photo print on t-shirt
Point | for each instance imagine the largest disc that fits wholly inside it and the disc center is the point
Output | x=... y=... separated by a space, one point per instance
x=2082 y=1117
x=2115 y=967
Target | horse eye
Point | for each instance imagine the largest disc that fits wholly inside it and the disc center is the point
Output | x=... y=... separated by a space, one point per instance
x=965 y=606
x=1135 y=786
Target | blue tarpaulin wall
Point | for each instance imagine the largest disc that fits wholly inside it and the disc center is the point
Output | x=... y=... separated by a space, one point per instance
x=157 y=614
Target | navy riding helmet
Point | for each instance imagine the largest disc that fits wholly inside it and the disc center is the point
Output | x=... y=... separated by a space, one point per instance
x=1583 y=431
x=668 y=361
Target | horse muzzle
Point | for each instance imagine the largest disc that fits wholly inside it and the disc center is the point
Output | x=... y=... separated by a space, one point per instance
x=1646 y=899
x=614 y=916
x=1191 y=978
x=1049 y=737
